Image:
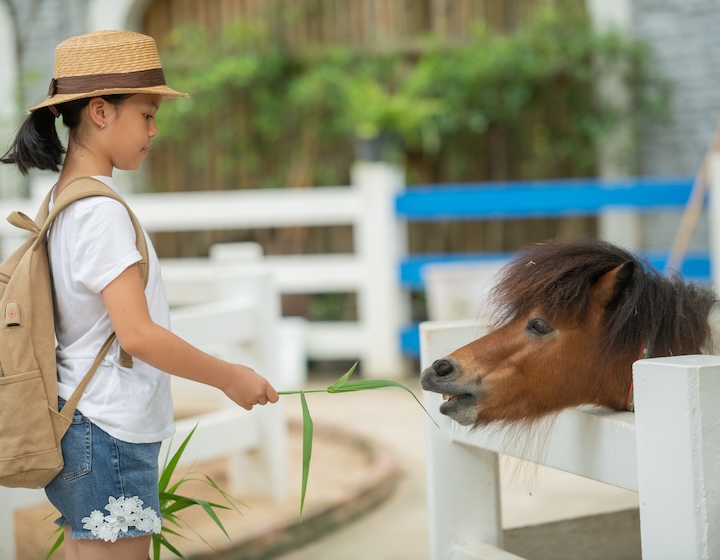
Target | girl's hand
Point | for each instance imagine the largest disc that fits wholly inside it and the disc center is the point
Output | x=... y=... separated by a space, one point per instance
x=246 y=388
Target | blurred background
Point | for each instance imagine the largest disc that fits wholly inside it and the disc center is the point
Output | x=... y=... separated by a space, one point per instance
x=300 y=96
x=287 y=95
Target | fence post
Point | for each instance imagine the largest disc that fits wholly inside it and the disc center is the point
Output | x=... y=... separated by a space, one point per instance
x=380 y=242
x=237 y=274
x=463 y=480
x=677 y=420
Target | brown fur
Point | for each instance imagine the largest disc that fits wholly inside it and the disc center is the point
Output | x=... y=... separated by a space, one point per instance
x=558 y=276
x=601 y=304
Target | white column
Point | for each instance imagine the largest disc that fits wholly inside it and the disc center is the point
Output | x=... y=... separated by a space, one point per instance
x=115 y=14
x=10 y=178
x=241 y=278
x=380 y=242
x=677 y=419
x=463 y=481
x=614 y=160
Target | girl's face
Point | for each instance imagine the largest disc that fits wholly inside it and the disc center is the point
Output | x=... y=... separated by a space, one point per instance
x=130 y=129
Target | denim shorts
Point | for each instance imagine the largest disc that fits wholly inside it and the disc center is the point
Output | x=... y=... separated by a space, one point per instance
x=107 y=489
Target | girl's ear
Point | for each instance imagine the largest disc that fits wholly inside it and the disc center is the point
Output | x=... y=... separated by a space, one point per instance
x=97 y=111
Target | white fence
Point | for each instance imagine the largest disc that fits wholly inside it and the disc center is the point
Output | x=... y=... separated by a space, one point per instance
x=370 y=271
x=668 y=452
x=230 y=308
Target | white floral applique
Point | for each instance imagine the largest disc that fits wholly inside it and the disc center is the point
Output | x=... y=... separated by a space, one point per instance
x=123 y=514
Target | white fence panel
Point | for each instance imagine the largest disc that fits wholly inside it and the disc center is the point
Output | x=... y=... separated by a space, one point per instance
x=243 y=329
x=371 y=271
x=669 y=451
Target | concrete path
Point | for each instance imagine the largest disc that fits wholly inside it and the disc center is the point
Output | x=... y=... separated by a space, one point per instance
x=397 y=530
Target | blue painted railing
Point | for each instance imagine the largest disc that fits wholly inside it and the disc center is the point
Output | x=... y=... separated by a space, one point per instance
x=536 y=199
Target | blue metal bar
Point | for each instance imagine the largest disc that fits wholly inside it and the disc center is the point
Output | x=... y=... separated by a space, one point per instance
x=540 y=199
x=696 y=268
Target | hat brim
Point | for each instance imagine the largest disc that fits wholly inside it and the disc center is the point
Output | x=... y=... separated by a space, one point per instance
x=57 y=99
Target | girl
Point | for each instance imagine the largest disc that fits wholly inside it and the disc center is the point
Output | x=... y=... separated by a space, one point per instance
x=108 y=87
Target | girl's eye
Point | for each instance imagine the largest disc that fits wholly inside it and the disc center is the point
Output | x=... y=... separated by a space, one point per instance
x=148 y=117
x=539 y=327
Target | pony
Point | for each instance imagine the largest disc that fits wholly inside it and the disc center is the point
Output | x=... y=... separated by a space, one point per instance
x=571 y=318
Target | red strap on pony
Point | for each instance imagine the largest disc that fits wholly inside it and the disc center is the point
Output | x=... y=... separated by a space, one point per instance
x=644 y=352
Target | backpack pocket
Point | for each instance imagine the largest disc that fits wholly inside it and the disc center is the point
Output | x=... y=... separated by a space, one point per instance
x=28 y=442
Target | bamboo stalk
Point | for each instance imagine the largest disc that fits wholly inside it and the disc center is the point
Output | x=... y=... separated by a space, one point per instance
x=693 y=208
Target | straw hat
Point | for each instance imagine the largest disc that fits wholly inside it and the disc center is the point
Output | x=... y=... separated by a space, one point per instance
x=106 y=63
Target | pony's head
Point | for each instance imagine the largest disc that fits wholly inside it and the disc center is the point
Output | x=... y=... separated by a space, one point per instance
x=572 y=317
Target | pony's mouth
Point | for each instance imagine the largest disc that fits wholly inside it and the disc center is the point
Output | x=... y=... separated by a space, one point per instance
x=462 y=408
x=454 y=402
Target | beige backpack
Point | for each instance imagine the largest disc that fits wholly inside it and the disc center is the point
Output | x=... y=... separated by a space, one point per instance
x=31 y=426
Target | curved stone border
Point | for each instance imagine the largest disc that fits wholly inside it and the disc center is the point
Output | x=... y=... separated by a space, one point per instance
x=383 y=476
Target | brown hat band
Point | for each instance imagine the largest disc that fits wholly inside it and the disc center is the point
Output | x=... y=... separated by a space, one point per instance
x=86 y=84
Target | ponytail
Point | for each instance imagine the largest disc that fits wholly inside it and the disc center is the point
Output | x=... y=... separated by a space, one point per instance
x=36 y=144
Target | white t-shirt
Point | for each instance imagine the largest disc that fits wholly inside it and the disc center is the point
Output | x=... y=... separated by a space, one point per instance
x=90 y=243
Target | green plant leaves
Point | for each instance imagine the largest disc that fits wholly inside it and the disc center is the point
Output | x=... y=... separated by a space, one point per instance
x=342 y=385
x=307 y=448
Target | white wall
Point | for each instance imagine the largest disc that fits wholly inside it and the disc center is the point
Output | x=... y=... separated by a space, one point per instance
x=10 y=182
x=115 y=14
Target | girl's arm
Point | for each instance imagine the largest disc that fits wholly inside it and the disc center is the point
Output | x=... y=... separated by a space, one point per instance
x=142 y=338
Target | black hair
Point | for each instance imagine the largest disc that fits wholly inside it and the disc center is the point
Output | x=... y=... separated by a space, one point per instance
x=37 y=145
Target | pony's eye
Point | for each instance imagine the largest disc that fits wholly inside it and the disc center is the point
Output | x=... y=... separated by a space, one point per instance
x=539 y=327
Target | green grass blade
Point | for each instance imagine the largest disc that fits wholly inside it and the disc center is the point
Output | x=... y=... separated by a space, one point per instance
x=307 y=449
x=210 y=510
x=174 y=533
x=370 y=384
x=183 y=502
x=57 y=544
x=166 y=543
x=170 y=466
x=342 y=380
x=156 y=544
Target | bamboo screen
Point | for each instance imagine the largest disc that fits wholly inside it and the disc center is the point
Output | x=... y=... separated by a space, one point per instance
x=303 y=25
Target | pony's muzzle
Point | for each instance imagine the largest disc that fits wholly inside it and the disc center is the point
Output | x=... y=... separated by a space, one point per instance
x=440 y=372
x=460 y=399
x=443 y=368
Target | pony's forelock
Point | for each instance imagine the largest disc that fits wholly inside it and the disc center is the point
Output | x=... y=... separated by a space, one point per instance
x=558 y=277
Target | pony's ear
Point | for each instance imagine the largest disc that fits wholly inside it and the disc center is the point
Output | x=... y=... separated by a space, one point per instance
x=611 y=284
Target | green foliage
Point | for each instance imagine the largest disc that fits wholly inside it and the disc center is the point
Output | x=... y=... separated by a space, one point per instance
x=172 y=502
x=342 y=385
x=534 y=89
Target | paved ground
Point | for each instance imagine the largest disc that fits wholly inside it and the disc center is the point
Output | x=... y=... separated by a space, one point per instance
x=397 y=529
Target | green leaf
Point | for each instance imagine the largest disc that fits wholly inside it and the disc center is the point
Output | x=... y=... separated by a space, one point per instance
x=370 y=384
x=58 y=542
x=307 y=448
x=156 y=544
x=342 y=380
x=169 y=468
x=166 y=543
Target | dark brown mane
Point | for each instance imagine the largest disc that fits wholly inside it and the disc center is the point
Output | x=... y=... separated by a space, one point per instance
x=558 y=276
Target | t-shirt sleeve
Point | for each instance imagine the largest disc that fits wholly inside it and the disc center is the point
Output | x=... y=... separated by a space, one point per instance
x=105 y=244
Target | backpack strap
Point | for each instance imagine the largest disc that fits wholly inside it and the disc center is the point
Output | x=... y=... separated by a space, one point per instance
x=77 y=189
x=84 y=187
x=71 y=404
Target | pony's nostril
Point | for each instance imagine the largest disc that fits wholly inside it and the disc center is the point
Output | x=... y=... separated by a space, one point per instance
x=443 y=368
